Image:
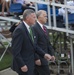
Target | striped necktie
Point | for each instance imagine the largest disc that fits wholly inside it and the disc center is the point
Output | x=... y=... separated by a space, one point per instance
x=44 y=29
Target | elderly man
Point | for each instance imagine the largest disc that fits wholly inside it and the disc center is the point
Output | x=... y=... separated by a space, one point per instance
x=43 y=42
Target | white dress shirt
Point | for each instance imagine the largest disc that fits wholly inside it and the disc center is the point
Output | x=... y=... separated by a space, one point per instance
x=27 y=26
x=40 y=24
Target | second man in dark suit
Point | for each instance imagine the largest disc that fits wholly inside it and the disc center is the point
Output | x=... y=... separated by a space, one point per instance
x=43 y=42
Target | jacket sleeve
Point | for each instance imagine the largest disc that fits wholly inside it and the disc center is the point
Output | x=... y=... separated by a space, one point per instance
x=17 y=41
x=50 y=49
x=36 y=56
x=38 y=50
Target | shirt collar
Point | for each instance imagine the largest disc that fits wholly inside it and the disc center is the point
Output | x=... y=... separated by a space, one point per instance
x=27 y=26
x=40 y=24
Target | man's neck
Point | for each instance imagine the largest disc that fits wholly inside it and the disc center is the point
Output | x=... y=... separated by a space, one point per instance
x=27 y=23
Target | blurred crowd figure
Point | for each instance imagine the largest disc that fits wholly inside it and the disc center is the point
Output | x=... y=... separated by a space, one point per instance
x=57 y=1
x=6 y=4
x=62 y=10
x=26 y=4
x=23 y=2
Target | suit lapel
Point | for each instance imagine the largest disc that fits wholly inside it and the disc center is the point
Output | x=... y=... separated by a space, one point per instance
x=27 y=33
x=41 y=30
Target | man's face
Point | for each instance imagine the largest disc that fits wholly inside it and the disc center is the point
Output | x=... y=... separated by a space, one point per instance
x=32 y=19
x=43 y=17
